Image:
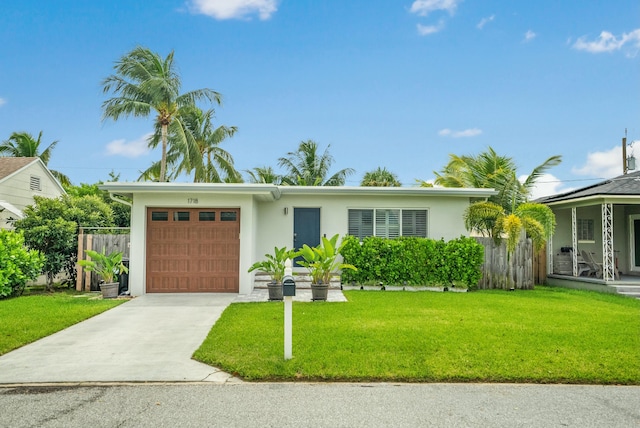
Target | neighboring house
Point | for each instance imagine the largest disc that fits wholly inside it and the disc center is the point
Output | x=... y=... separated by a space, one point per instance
x=600 y=221
x=204 y=237
x=20 y=180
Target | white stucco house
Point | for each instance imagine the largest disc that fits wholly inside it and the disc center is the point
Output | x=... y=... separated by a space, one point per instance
x=202 y=237
x=22 y=178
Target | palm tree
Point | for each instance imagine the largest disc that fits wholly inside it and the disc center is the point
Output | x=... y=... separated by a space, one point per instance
x=143 y=83
x=22 y=144
x=423 y=183
x=490 y=170
x=306 y=168
x=264 y=174
x=380 y=177
x=208 y=162
x=490 y=219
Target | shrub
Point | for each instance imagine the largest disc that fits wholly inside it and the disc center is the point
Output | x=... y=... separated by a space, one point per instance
x=51 y=226
x=413 y=261
x=17 y=264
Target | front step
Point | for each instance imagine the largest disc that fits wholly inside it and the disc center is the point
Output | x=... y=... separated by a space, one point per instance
x=628 y=290
x=302 y=280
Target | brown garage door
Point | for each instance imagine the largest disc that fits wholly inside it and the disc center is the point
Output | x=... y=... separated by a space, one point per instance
x=193 y=250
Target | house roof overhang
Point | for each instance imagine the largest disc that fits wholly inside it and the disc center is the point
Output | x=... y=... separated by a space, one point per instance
x=595 y=200
x=624 y=189
x=271 y=192
x=4 y=205
x=267 y=192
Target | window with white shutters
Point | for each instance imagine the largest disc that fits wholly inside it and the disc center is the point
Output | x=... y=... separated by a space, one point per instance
x=387 y=223
x=414 y=223
x=361 y=223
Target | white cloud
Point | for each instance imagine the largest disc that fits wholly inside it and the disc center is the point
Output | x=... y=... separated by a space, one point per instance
x=471 y=132
x=546 y=185
x=607 y=42
x=485 y=21
x=529 y=35
x=2 y=102
x=425 y=30
x=233 y=9
x=425 y=7
x=132 y=149
x=606 y=164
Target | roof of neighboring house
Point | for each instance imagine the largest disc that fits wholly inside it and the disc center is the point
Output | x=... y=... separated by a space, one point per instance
x=622 y=185
x=9 y=165
x=273 y=192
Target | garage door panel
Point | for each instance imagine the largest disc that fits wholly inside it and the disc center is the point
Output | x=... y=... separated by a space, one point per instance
x=198 y=255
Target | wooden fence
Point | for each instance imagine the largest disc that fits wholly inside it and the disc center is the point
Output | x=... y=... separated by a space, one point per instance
x=88 y=281
x=498 y=272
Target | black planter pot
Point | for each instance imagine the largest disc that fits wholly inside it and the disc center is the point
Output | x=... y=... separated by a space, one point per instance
x=275 y=291
x=319 y=291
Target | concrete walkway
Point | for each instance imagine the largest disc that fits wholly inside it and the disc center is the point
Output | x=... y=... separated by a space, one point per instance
x=150 y=338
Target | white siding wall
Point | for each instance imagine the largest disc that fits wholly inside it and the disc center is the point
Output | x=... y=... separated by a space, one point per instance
x=16 y=190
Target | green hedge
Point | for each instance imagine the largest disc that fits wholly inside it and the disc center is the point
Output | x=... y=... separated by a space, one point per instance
x=413 y=261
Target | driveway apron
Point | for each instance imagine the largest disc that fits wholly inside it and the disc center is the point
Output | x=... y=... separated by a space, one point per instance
x=150 y=338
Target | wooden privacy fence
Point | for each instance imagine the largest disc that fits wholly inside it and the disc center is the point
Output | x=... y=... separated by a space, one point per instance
x=498 y=272
x=88 y=281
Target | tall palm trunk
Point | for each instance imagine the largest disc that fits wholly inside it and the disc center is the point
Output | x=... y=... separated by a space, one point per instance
x=163 y=160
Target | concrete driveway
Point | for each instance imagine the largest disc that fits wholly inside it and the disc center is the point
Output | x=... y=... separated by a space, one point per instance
x=150 y=338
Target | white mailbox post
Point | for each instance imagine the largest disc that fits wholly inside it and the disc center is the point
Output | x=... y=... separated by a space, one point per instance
x=288 y=291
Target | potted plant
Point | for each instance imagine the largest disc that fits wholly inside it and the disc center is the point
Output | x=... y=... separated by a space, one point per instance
x=321 y=261
x=274 y=265
x=107 y=267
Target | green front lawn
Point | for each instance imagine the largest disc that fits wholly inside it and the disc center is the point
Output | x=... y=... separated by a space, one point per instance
x=549 y=335
x=28 y=318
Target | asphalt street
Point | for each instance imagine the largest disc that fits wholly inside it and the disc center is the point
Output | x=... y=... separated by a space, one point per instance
x=319 y=405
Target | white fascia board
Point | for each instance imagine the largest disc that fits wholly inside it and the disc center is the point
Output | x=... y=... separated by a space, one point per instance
x=400 y=191
x=129 y=189
x=595 y=200
x=273 y=192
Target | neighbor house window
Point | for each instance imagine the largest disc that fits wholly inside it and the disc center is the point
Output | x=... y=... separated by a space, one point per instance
x=585 y=230
x=34 y=183
x=387 y=223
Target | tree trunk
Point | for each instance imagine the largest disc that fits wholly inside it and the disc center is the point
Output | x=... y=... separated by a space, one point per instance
x=163 y=160
x=49 y=282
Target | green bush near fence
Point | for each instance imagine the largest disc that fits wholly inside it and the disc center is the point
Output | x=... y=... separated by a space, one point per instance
x=413 y=261
x=17 y=263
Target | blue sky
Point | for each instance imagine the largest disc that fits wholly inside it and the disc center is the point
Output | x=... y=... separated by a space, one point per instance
x=398 y=84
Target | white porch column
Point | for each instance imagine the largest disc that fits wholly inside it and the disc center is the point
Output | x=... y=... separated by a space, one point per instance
x=574 y=241
x=550 y=255
x=608 y=262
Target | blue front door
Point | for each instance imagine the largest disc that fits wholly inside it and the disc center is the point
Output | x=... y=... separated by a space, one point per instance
x=306 y=227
